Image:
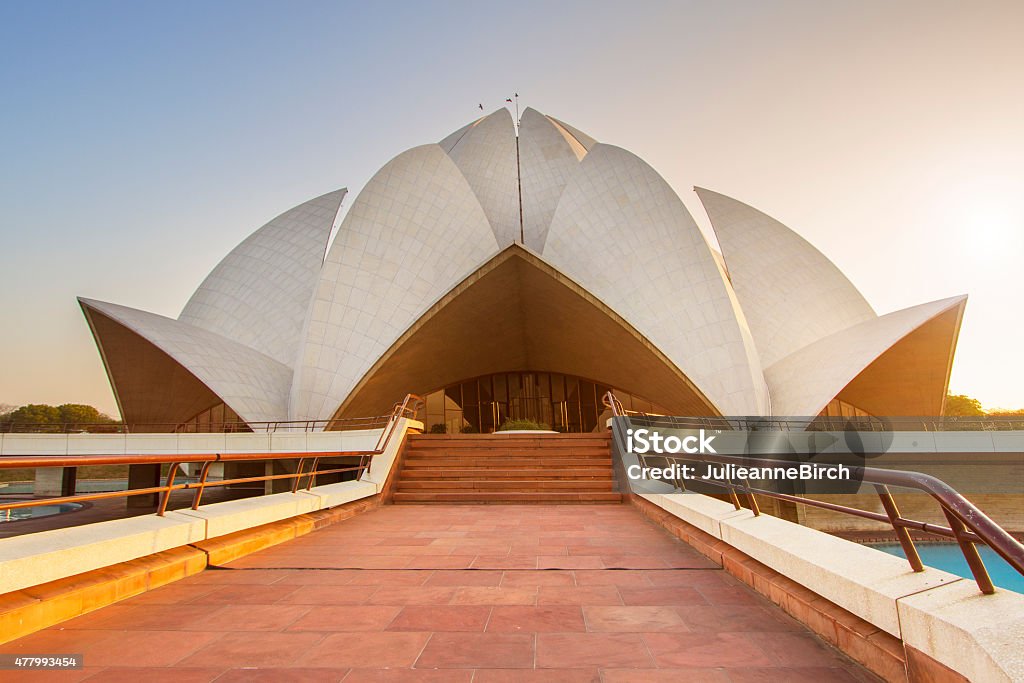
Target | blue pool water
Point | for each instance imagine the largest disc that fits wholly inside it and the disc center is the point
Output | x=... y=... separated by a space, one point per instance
x=947 y=557
x=38 y=511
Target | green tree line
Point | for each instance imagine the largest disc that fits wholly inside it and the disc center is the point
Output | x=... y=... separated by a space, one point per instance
x=71 y=414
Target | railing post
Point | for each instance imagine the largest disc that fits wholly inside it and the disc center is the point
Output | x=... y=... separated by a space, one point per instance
x=298 y=475
x=201 y=484
x=312 y=474
x=970 y=552
x=166 y=497
x=902 y=533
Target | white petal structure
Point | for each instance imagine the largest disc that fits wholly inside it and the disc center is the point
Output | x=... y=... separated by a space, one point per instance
x=792 y=294
x=803 y=382
x=486 y=155
x=547 y=161
x=151 y=359
x=259 y=293
x=542 y=251
x=413 y=233
x=622 y=232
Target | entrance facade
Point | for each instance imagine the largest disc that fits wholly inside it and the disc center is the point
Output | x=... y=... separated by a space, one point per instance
x=565 y=403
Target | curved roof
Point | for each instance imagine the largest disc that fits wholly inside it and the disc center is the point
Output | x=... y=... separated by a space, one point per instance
x=486 y=155
x=258 y=294
x=804 y=382
x=622 y=233
x=546 y=164
x=412 y=234
x=276 y=331
x=253 y=384
x=791 y=293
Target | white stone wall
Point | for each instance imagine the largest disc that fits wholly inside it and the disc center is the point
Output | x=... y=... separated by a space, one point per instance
x=546 y=163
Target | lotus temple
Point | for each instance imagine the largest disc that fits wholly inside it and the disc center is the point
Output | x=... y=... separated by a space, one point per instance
x=521 y=274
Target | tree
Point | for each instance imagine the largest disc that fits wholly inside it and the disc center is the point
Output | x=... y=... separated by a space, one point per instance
x=79 y=414
x=35 y=413
x=963 y=406
x=74 y=415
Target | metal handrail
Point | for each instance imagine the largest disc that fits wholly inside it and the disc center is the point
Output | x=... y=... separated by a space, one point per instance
x=968 y=525
x=333 y=424
x=861 y=423
x=407 y=408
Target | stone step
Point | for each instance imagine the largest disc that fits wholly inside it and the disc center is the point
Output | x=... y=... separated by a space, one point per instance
x=505 y=452
x=505 y=485
x=580 y=473
x=506 y=464
x=508 y=497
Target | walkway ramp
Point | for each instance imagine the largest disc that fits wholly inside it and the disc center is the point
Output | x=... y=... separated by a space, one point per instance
x=455 y=593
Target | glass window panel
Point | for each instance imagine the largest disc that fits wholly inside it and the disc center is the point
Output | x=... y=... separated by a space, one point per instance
x=470 y=393
x=453 y=394
x=500 y=388
x=557 y=388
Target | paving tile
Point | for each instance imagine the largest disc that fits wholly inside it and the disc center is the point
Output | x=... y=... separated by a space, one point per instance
x=478 y=650
x=414 y=595
x=329 y=595
x=533 y=579
x=586 y=650
x=578 y=595
x=441 y=618
x=243 y=650
x=248 y=618
x=346 y=618
x=706 y=650
x=367 y=650
x=792 y=675
x=493 y=595
x=537 y=676
x=481 y=577
x=530 y=619
x=409 y=676
x=736 y=618
x=153 y=675
x=689 y=675
x=668 y=595
x=150 y=648
x=567 y=562
x=633 y=619
x=282 y=675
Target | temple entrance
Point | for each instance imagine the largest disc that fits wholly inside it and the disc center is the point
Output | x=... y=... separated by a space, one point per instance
x=564 y=403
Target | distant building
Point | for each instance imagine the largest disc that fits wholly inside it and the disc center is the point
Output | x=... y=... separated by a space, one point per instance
x=506 y=276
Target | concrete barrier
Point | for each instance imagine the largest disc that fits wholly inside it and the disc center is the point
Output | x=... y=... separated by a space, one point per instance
x=934 y=613
x=41 y=557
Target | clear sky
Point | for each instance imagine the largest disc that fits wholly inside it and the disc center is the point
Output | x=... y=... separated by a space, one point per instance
x=140 y=141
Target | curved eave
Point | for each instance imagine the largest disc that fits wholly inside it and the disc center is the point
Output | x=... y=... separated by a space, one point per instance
x=896 y=364
x=548 y=323
x=164 y=371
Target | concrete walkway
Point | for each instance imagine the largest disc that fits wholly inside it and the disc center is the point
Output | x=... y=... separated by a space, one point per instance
x=442 y=593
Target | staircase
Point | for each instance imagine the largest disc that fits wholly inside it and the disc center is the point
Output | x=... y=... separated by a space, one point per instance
x=507 y=468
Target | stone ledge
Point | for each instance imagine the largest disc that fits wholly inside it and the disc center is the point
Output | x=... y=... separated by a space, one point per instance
x=46 y=556
x=978 y=635
x=31 y=609
x=880 y=652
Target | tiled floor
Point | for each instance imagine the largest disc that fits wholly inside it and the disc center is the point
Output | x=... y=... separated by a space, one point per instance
x=453 y=593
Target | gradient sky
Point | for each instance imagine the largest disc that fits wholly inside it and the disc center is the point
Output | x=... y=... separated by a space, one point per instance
x=140 y=141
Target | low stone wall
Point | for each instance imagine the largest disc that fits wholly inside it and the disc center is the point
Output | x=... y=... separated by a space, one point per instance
x=928 y=626
x=51 y=576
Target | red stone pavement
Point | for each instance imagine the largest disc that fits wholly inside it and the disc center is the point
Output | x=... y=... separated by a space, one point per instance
x=480 y=594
